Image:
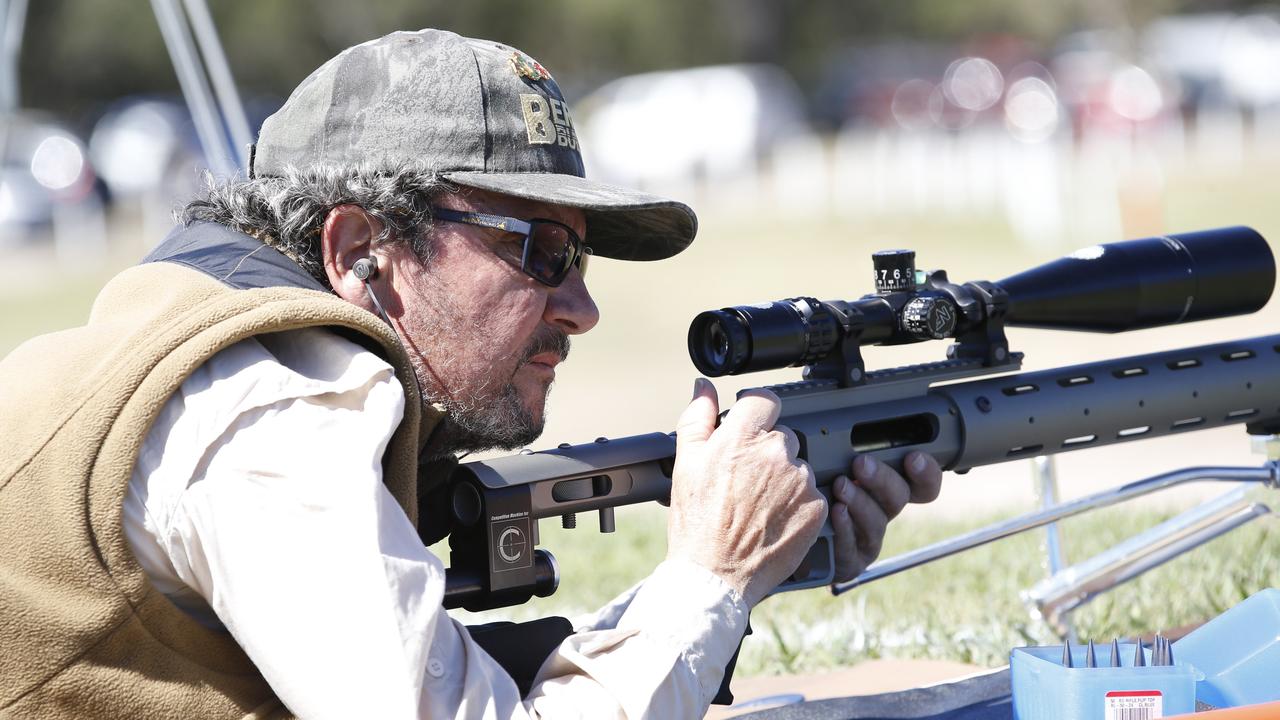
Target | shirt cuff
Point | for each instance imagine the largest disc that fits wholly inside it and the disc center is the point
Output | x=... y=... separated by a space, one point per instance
x=692 y=610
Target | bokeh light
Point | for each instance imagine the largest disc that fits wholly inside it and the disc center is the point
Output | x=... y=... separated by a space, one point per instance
x=131 y=147
x=1134 y=95
x=1031 y=110
x=973 y=83
x=57 y=162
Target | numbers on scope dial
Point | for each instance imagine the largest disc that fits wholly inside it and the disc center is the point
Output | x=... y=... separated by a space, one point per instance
x=894 y=270
x=892 y=279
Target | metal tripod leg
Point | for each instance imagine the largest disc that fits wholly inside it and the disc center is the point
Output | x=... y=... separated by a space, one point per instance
x=1267 y=475
x=1044 y=472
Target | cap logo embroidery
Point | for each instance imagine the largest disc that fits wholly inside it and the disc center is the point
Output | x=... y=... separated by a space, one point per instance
x=527 y=67
x=547 y=121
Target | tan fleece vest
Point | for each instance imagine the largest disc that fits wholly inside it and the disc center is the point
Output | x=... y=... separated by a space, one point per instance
x=82 y=631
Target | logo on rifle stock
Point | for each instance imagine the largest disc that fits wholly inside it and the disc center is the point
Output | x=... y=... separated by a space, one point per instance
x=509 y=535
x=511 y=544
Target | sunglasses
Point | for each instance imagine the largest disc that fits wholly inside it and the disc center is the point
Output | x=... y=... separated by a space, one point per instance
x=549 y=249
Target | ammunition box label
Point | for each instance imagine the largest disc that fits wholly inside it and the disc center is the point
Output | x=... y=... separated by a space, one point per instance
x=1133 y=705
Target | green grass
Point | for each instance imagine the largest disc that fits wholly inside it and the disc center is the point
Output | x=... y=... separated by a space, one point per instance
x=965 y=608
x=59 y=303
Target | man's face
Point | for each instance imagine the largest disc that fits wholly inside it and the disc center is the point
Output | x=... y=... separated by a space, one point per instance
x=485 y=338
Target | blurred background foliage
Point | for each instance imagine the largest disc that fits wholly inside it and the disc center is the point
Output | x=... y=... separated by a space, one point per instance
x=80 y=54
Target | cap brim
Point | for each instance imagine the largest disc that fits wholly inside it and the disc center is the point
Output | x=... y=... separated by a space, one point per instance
x=621 y=223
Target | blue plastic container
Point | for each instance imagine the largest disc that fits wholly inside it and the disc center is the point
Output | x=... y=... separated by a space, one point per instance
x=1045 y=690
x=1238 y=652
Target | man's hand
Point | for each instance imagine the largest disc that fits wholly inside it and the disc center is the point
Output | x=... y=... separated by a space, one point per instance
x=742 y=505
x=861 y=508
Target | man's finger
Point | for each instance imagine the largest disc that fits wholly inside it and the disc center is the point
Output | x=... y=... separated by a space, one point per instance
x=924 y=476
x=846 y=544
x=883 y=483
x=698 y=420
x=869 y=523
x=756 y=412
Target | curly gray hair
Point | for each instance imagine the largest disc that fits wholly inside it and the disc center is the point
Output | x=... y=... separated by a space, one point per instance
x=288 y=212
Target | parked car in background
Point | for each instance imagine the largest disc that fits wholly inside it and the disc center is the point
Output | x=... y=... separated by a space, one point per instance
x=703 y=123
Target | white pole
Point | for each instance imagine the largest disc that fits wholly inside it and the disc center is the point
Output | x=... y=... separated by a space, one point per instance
x=215 y=61
x=195 y=88
x=14 y=13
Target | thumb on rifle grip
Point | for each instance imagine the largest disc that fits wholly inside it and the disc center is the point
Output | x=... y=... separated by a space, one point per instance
x=699 y=419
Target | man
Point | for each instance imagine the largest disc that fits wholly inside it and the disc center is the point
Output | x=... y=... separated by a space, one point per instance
x=214 y=496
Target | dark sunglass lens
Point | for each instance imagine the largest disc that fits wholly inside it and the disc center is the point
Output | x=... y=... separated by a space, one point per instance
x=552 y=252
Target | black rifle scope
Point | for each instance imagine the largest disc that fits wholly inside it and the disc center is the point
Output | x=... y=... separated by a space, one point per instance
x=1105 y=288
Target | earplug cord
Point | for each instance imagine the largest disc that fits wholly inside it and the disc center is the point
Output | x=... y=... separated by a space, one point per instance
x=369 y=289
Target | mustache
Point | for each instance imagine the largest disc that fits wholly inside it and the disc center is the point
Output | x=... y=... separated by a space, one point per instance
x=547 y=340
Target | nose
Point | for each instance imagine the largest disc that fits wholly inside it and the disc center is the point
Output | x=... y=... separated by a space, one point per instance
x=570 y=307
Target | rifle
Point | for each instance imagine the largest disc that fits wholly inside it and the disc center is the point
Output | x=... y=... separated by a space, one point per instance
x=986 y=412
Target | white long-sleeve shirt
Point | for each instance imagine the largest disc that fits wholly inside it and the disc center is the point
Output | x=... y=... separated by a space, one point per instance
x=257 y=505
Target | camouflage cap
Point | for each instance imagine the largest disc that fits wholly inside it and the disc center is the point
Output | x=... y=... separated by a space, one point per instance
x=481 y=114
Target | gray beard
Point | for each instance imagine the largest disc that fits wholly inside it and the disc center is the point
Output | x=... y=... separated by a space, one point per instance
x=501 y=423
x=492 y=420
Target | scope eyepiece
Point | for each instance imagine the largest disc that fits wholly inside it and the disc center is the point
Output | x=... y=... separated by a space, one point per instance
x=719 y=342
x=748 y=338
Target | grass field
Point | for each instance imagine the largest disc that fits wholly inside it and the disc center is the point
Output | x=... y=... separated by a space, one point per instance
x=965 y=608
x=632 y=375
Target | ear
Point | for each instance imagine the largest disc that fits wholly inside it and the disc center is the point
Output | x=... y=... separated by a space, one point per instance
x=346 y=237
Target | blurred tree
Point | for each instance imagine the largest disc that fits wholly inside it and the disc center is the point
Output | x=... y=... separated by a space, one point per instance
x=77 y=55
x=81 y=54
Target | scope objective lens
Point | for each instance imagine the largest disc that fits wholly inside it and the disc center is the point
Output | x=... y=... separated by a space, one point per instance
x=1146 y=283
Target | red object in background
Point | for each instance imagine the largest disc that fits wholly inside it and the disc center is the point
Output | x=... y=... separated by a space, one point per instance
x=1265 y=711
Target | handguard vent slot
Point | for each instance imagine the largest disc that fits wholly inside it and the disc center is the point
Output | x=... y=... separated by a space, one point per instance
x=1022 y=450
x=1185 y=423
x=1134 y=431
x=1130 y=372
x=1024 y=389
x=1078 y=441
x=1237 y=355
x=894 y=432
x=1075 y=380
x=1183 y=364
x=581 y=488
x=1242 y=413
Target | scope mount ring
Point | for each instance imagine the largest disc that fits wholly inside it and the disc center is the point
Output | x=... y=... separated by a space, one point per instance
x=845 y=365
